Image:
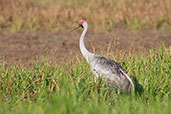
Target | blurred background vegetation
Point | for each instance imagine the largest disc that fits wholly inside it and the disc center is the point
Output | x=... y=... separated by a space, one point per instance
x=102 y=15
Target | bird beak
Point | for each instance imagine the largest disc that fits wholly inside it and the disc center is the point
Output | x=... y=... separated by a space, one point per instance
x=78 y=26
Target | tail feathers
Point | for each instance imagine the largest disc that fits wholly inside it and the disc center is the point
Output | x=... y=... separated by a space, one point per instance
x=128 y=79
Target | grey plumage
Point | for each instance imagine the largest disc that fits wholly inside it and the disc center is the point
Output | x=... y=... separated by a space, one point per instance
x=111 y=72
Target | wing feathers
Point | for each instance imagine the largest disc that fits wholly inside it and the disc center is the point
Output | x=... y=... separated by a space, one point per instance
x=111 y=71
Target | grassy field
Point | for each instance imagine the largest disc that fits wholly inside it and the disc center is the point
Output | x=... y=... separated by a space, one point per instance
x=71 y=88
x=60 y=15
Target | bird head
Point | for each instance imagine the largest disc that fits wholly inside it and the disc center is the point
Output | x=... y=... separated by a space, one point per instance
x=82 y=24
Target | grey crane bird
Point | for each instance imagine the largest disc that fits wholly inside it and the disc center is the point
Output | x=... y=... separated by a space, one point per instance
x=111 y=72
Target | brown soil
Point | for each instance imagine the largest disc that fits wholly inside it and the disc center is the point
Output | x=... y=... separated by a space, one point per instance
x=29 y=48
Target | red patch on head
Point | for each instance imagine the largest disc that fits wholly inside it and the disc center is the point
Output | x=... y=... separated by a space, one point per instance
x=82 y=21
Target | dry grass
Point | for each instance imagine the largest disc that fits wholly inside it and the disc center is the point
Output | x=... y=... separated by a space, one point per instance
x=58 y=15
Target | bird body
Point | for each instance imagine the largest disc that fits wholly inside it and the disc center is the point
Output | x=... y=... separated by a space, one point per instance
x=111 y=72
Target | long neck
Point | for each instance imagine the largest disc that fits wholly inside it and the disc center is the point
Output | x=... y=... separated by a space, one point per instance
x=88 y=55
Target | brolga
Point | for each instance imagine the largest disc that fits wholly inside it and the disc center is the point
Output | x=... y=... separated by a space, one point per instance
x=111 y=72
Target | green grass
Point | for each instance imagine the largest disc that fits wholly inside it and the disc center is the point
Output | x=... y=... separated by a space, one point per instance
x=71 y=88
